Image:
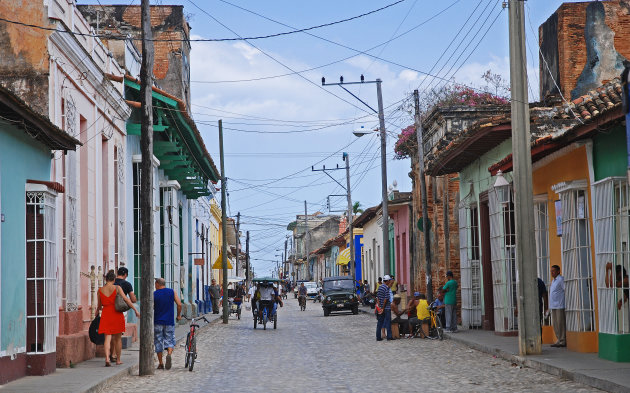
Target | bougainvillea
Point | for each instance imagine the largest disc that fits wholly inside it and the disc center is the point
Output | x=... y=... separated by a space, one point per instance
x=447 y=96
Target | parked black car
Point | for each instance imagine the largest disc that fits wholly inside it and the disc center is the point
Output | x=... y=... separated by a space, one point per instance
x=339 y=295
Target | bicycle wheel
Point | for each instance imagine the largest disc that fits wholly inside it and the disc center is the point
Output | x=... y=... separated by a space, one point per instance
x=255 y=321
x=438 y=328
x=186 y=360
x=275 y=321
x=193 y=354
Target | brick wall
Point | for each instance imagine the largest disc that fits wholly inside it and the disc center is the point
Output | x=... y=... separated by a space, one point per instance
x=564 y=38
x=168 y=23
x=442 y=200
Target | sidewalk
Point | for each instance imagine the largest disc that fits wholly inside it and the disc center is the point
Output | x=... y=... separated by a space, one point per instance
x=585 y=368
x=92 y=375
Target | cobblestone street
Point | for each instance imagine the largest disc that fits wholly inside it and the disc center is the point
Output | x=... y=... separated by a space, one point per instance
x=310 y=352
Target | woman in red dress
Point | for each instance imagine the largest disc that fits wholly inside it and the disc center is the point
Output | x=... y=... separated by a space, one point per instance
x=112 y=322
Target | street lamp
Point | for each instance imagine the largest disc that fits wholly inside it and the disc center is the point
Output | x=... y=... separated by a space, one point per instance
x=502 y=188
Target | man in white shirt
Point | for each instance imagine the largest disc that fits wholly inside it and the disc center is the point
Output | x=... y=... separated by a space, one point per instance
x=251 y=292
x=557 y=305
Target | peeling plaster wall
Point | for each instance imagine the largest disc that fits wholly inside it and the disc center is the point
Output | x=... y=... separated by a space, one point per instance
x=24 y=64
x=584 y=45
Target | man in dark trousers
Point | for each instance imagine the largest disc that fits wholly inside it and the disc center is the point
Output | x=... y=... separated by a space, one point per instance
x=164 y=321
x=215 y=294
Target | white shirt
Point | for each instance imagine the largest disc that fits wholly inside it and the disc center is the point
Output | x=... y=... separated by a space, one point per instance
x=266 y=293
x=556 y=293
x=252 y=291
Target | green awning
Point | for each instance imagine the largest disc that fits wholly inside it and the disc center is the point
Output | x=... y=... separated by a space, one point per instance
x=177 y=142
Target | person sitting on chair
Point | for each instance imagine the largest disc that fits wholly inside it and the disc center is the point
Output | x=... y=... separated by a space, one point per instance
x=421 y=317
x=397 y=316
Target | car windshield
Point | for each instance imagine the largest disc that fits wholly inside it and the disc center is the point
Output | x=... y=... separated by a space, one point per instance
x=310 y=285
x=338 y=285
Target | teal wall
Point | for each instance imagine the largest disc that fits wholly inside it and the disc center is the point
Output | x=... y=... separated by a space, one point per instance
x=21 y=158
x=610 y=154
x=477 y=174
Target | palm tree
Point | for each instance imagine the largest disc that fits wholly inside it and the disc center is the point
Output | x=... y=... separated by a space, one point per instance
x=356 y=208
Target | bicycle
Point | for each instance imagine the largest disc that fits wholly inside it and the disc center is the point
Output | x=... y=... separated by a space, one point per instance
x=191 y=343
x=435 y=323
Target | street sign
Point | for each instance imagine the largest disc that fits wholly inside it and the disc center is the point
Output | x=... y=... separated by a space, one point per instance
x=199 y=261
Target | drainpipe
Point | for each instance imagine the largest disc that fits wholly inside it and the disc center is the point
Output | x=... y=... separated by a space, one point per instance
x=626 y=110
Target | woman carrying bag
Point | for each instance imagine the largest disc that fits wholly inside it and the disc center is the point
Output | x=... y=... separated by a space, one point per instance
x=112 y=322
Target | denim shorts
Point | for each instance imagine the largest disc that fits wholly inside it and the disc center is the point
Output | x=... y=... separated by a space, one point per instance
x=164 y=337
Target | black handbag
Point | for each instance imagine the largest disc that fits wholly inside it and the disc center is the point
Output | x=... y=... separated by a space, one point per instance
x=95 y=337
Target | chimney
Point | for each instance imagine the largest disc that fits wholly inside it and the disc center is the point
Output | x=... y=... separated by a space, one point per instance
x=583 y=45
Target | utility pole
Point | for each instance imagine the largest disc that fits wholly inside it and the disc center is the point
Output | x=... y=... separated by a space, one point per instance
x=238 y=240
x=306 y=235
x=284 y=263
x=224 y=250
x=146 y=366
x=529 y=336
x=353 y=271
x=423 y=190
x=247 y=273
x=383 y=134
x=381 y=119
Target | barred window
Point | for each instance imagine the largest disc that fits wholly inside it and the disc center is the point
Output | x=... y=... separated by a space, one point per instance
x=612 y=254
x=576 y=256
x=541 y=229
x=41 y=269
x=503 y=260
x=169 y=237
x=470 y=264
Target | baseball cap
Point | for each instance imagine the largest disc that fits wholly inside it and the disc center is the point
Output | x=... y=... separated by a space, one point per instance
x=416 y=294
x=386 y=277
x=449 y=273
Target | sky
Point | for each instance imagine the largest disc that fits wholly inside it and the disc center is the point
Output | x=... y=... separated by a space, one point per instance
x=279 y=122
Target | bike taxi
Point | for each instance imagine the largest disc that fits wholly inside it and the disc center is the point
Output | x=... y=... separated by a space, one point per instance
x=265 y=302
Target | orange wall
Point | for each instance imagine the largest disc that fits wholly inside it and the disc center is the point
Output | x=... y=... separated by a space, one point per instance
x=571 y=166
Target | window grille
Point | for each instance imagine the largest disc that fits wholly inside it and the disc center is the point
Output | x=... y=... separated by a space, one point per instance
x=576 y=257
x=169 y=236
x=541 y=230
x=41 y=269
x=469 y=252
x=503 y=260
x=612 y=259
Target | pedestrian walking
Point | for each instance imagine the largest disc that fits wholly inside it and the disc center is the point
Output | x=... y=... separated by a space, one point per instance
x=251 y=292
x=384 y=309
x=112 y=323
x=215 y=294
x=557 y=306
x=450 y=302
x=164 y=323
x=121 y=281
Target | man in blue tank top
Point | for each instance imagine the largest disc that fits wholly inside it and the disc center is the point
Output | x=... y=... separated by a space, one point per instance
x=164 y=323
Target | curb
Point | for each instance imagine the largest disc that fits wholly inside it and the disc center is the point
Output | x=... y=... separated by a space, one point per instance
x=535 y=364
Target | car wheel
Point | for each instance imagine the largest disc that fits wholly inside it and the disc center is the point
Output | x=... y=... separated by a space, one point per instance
x=326 y=312
x=355 y=310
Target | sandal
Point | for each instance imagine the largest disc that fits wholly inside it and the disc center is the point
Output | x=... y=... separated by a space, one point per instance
x=113 y=358
x=107 y=363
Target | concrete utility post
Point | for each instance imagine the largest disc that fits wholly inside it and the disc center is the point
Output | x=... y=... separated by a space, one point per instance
x=224 y=250
x=238 y=241
x=383 y=133
x=353 y=272
x=146 y=366
x=306 y=235
x=423 y=190
x=529 y=342
x=381 y=119
x=248 y=277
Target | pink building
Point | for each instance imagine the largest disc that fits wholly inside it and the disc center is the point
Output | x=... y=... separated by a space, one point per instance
x=400 y=214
